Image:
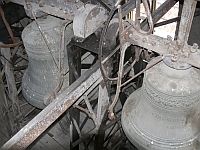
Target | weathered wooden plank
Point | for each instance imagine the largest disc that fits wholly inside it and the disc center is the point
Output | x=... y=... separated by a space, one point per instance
x=47 y=143
x=58 y=135
x=4 y=119
x=10 y=79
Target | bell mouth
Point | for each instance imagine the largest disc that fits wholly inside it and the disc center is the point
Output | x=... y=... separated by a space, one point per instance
x=178 y=65
x=142 y=138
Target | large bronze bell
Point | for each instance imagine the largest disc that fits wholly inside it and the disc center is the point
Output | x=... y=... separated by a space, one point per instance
x=42 y=76
x=164 y=113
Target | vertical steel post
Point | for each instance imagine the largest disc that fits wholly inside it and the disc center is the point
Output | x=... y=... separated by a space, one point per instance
x=188 y=11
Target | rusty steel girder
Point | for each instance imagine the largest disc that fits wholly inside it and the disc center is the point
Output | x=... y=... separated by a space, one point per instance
x=63 y=9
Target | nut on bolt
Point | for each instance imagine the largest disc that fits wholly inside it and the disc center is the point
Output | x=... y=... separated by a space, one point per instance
x=194 y=48
x=174 y=57
x=169 y=38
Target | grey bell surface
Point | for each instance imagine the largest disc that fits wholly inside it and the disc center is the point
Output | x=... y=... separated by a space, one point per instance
x=42 y=75
x=163 y=114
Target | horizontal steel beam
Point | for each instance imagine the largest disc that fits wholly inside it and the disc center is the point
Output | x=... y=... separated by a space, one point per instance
x=55 y=10
x=188 y=12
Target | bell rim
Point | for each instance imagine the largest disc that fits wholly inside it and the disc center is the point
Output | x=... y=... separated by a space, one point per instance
x=148 y=138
